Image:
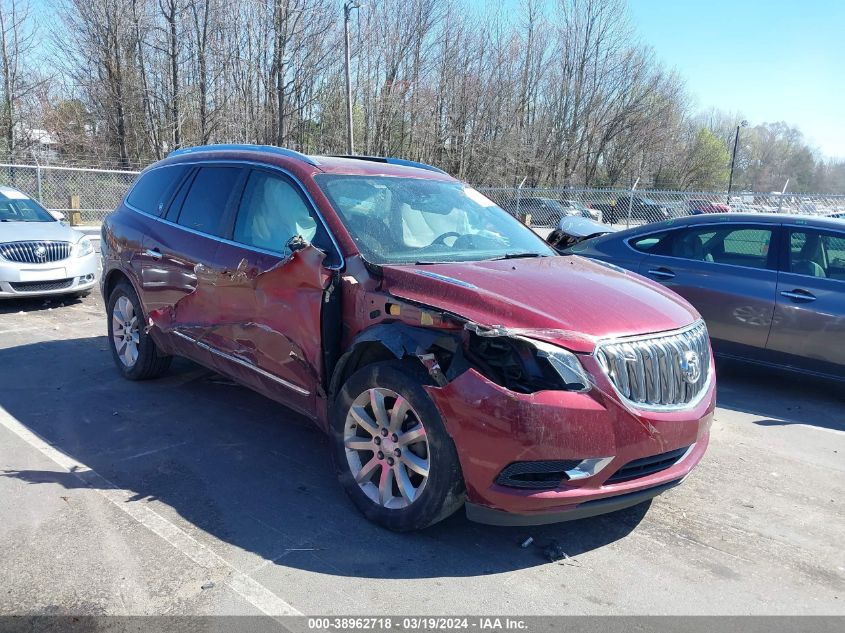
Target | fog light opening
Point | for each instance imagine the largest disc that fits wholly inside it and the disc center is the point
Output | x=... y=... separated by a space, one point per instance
x=588 y=467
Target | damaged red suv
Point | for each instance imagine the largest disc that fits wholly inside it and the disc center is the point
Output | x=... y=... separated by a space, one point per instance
x=452 y=356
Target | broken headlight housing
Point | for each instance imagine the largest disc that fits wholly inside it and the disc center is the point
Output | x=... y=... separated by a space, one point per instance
x=526 y=365
x=565 y=364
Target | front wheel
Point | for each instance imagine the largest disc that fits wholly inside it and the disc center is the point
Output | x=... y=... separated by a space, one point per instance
x=134 y=351
x=391 y=450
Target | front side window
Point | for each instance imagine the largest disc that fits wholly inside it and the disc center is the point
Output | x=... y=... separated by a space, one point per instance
x=207 y=198
x=737 y=246
x=411 y=220
x=817 y=254
x=271 y=213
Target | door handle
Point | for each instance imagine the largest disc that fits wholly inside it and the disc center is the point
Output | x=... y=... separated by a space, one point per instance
x=153 y=253
x=801 y=296
x=662 y=273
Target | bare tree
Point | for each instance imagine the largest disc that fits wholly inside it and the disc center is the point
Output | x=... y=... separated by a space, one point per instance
x=17 y=40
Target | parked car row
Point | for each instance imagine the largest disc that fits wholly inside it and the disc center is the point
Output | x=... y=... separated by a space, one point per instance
x=549 y=211
x=453 y=358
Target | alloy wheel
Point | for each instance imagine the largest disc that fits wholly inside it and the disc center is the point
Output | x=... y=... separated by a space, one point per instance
x=126 y=331
x=386 y=448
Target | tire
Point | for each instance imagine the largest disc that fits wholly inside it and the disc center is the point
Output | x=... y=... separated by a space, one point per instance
x=434 y=497
x=147 y=362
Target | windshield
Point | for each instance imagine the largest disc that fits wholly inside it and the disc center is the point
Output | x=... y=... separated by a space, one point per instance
x=22 y=209
x=411 y=220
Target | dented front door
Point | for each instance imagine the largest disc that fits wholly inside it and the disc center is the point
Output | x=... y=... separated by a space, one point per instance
x=268 y=320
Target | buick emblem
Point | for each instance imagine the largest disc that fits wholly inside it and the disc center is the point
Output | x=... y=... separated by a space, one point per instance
x=41 y=254
x=690 y=367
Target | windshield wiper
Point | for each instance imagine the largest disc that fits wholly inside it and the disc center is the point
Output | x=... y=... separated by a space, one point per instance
x=517 y=256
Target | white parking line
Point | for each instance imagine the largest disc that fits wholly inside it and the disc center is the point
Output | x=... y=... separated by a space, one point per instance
x=247 y=587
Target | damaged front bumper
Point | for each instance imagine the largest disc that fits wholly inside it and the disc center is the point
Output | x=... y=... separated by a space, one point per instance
x=595 y=507
x=494 y=428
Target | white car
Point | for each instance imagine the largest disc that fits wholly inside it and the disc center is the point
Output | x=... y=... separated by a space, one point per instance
x=39 y=255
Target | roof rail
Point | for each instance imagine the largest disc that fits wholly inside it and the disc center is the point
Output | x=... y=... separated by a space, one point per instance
x=234 y=147
x=393 y=161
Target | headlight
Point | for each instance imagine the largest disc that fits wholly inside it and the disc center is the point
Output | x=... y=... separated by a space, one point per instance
x=84 y=247
x=564 y=362
x=523 y=364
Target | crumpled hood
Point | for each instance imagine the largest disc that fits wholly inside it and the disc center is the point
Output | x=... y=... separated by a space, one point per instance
x=568 y=300
x=48 y=231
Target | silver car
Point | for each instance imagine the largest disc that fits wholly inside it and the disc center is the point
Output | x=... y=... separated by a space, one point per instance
x=40 y=255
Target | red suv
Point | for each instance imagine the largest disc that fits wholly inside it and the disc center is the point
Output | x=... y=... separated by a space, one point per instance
x=452 y=356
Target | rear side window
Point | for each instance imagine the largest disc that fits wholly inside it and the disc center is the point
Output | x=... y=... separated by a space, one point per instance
x=206 y=200
x=154 y=188
x=739 y=246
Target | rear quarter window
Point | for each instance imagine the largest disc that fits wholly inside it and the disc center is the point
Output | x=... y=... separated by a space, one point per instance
x=152 y=191
x=652 y=243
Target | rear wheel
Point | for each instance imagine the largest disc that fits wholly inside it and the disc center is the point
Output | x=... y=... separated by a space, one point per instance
x=391 y=450
x=134 y=351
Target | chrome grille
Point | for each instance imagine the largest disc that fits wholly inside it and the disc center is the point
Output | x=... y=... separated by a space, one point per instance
x=40 y=252
x=659 y=371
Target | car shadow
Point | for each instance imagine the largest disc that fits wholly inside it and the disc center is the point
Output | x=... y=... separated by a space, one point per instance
x=245 y=470
x=779 y=398
x=13 y=306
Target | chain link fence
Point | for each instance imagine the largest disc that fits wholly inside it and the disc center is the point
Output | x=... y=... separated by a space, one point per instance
x=93 y=193
x=96 y=192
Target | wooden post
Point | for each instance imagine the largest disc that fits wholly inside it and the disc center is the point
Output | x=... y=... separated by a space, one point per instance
x=75 y=213
x=525 y=219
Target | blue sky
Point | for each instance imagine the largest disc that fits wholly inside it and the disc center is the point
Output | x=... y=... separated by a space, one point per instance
x=767 y=60
x=770 y=60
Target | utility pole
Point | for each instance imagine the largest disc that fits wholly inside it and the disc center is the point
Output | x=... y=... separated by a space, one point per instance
x=347 y=10
x=742 y=123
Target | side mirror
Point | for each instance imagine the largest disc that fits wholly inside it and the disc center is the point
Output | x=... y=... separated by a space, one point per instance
x=297 y=243
x=58 y=215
